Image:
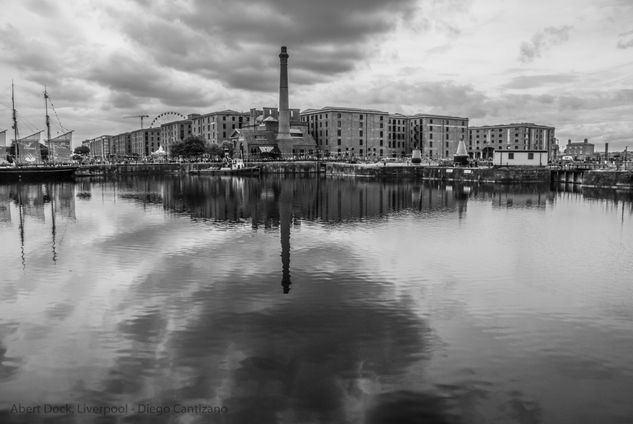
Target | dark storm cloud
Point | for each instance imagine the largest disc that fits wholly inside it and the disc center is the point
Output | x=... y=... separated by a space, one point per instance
x=131 y=80
x=543 y=40
x=324 y=38
x=303 y=21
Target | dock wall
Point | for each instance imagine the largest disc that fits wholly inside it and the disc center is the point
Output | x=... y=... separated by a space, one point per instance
x=501 y=175
x=608 y=179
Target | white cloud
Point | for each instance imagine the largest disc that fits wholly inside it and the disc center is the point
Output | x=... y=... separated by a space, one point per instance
x=102 y=61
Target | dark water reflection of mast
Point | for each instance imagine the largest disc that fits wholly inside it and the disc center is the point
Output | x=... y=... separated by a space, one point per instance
x=21 y=215
x=51 y=195
x=285 y=217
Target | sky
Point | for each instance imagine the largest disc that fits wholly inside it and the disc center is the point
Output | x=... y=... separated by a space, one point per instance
x=564 y=63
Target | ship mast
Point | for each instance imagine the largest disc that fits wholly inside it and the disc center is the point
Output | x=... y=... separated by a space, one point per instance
x=48 y=126
x=15 y=125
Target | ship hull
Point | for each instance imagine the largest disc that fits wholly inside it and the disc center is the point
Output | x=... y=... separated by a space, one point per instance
x=248 y=171
x=37 y=173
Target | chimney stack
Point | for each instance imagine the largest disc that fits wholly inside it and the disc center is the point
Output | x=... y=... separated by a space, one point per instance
x=284 y=114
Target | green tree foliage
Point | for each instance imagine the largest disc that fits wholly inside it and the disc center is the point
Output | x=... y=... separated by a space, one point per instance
x=81 y=150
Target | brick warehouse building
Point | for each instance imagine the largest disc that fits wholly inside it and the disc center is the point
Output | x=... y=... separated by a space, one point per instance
x=369 y=133
x=145 y=141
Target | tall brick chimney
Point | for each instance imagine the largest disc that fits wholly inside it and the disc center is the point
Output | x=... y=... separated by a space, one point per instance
x=284 y=113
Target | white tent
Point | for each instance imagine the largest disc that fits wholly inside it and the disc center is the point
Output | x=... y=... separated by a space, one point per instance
x=159 y=155
x=159 y=151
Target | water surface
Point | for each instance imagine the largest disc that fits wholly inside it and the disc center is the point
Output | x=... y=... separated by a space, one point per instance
x=316 y=301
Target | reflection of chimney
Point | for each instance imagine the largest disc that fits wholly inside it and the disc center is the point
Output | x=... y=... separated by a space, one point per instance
x=284 y=113
x=285 y=218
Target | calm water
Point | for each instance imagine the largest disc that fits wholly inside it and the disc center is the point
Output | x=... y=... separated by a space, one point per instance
x=315 y=301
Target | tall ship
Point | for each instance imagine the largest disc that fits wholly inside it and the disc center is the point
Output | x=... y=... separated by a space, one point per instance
x=27 y=163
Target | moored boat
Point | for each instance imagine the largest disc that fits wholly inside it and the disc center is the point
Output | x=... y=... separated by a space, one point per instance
x=232 y=167
x=35 y=173
x=27 y=161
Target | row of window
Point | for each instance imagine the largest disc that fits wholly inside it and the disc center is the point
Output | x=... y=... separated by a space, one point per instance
x=392 y=121
x=530 y=156
x=208 y=119
x=505 y=129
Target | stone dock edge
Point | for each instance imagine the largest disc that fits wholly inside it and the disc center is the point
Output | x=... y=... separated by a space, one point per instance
x=501 y=175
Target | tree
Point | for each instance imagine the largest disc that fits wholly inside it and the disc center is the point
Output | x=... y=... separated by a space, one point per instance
x=227 y=147
x=81 y=150
x=191 y=147
x=215 y=150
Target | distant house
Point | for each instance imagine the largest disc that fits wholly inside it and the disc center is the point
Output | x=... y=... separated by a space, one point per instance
x=580 y=151
x=520 y=157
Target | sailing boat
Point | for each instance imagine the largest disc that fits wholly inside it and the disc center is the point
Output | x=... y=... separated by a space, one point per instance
x=27 y=164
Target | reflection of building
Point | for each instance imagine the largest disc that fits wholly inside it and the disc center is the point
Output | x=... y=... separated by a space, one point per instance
x=484 y=140
x=145 y=141
x=580 y=151
x=520 y=200
x=329 y=200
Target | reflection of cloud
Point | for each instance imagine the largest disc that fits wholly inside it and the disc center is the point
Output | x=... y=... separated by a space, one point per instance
x=406 y=407
x=296 y=357
x=626 y=40
x=9 y=366
x=543 y=40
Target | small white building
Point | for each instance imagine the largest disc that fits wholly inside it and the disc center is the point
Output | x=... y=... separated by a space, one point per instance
x=520 y=158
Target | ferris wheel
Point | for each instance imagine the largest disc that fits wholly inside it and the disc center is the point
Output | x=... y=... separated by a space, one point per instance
x=165 y=118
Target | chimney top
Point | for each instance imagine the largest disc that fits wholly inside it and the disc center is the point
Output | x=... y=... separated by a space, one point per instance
x=283 y=49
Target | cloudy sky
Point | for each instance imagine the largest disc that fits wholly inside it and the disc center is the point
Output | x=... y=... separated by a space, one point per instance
x=566 y=63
